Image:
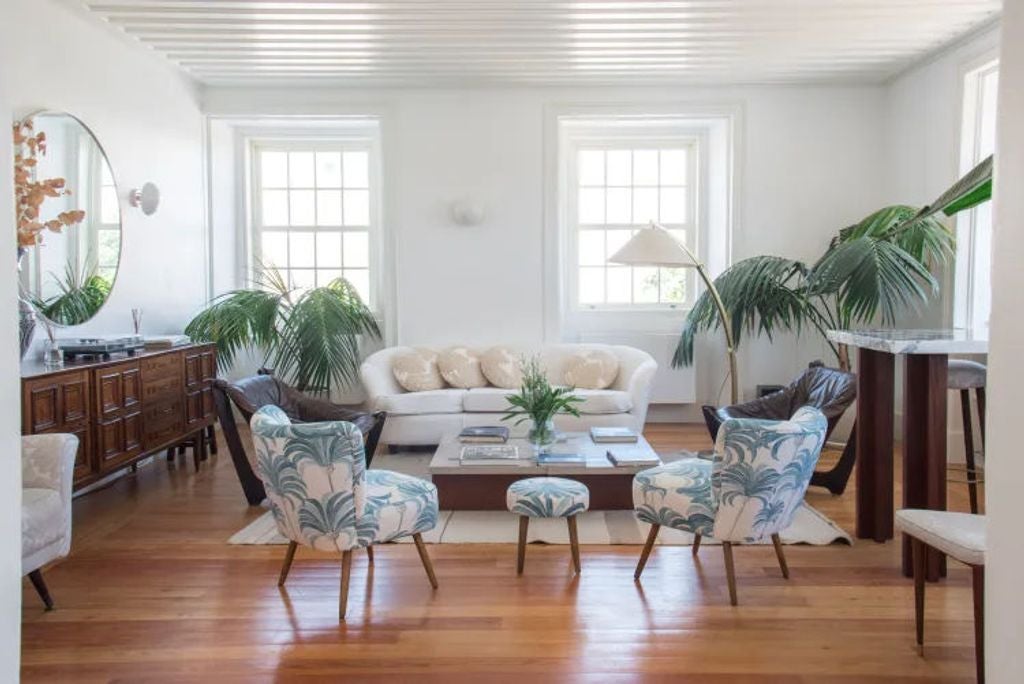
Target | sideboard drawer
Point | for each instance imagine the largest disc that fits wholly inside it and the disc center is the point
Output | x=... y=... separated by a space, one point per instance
x=162 y=388
x=162 y=421
x=161 y=366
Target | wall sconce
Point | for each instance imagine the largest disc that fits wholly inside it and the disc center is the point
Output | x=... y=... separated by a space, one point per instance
x=466 y=213
x=147 y=199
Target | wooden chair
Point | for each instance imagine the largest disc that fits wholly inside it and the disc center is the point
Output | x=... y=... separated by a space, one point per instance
x=963 y=376
x=323 y=497
x=960 y=536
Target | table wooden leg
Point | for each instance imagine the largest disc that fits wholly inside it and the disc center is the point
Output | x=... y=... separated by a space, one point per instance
x=875 y=405
x=924 y=447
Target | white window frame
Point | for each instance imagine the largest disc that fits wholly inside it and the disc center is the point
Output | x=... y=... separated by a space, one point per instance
x=973 y=74
x=364 y=139
x=631 y=134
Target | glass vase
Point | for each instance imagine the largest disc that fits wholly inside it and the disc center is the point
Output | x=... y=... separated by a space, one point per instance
x=52 y=355
x=542 y=435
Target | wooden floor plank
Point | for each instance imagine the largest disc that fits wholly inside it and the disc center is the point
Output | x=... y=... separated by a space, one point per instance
x=152 y=592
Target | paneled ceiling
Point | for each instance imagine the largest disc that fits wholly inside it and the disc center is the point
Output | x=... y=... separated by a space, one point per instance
x=461 y=42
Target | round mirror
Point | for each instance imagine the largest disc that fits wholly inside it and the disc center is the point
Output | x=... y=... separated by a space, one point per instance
x=68 y=217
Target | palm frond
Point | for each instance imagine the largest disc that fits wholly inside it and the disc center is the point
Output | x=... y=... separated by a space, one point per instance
x=239 y=320
x=928 y=240
x=81 y=293
x=761 y=294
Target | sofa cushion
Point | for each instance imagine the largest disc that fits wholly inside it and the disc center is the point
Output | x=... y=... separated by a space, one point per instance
x=42 y=519
x=415 y=403
x=501 y=367
x=493 y=400
x=416 y=370
x=591 y=369
x=460 y=367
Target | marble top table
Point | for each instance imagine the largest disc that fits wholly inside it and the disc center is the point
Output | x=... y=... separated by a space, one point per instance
x=925 y=357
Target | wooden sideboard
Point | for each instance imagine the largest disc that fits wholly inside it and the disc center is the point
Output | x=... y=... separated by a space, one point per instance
x=122 y=409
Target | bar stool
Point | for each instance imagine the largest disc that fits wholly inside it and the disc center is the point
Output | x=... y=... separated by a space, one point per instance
x=966 y=375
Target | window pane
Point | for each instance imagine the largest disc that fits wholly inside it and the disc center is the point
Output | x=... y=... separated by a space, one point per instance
x=108 y=206
x=673 y=167
x=645 y=285
x=300 y=169
x=360 y=279
x=357 y=208
x=274 y=246
x=616 y=239
x=301 y=209
x=324 y=276
x=673 y=285
x=591 y=171
x=673 y=205
x=303 y=279
x=645 y=167
x=109 y=246
x=328 y=169
x=645 y=205
x=619 y=206
x=620 y=163
x=328 y=249
x=591 y=209
x=105 y=177
x=591 y=285
x=328 y=207
x=357 y=170
x=274 y=169
x=303 y=250
x=619 y=285
x=357 y=250
x=591 y=248
x=275 y=208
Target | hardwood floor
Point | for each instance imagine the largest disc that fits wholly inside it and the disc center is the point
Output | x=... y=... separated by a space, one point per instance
x=152 y=592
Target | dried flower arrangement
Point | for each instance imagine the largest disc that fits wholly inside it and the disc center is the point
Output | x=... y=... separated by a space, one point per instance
x=29 y=193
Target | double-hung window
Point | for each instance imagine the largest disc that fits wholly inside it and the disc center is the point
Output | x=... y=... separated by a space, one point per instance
x=616 y=183
x=314 y=212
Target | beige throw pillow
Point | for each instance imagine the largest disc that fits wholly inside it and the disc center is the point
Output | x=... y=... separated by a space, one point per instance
x=416 y=370
x=591 y=369
x=460 y=367
x=501 y=367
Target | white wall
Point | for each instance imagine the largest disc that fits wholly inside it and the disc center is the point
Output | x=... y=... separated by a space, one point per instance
x=808 y=166
x=146 y=117
x=1004 y=599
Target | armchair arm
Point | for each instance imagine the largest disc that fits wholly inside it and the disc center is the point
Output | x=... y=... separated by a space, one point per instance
x=377 y=377
x=639 y=389
x=48 y=461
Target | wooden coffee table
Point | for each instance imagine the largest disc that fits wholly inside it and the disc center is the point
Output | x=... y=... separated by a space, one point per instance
x=482 y=487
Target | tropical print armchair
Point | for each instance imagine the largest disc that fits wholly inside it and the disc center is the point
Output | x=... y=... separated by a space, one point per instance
x=322 y=495
x=749 y=492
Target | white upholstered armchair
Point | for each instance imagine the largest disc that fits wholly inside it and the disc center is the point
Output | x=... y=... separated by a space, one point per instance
x=47 y=466
x=322 y=495
x=750 y=491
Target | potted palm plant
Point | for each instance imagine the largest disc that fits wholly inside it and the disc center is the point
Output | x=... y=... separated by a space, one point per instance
x=311 y=338
x=539 y=402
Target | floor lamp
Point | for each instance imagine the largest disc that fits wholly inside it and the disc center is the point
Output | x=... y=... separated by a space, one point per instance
x=655 y=246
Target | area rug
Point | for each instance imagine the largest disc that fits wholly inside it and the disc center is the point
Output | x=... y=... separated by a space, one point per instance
x=809 y=526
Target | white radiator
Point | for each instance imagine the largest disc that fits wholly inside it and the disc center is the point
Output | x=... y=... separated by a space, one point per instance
x=671 y=385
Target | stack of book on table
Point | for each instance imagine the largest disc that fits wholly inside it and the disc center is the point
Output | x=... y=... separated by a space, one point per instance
x=632 y=456
x=489 y=454
x=484 y=434
x=613 y=435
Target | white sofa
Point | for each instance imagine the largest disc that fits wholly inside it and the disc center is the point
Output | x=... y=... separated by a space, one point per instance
x=423 y=418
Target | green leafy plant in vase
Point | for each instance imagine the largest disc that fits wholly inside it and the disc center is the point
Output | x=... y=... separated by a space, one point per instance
x=539 y=402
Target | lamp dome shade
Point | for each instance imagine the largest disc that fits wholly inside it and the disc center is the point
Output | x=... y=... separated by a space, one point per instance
x=653 y=246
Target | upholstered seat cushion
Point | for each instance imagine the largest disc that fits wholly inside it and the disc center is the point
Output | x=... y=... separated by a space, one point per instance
x=548 y=497
x=676 y=495
x=595 y=402
x=960 y=535
x=42 y=519
x=416 y=403
x=964 y=374
x=398 y=505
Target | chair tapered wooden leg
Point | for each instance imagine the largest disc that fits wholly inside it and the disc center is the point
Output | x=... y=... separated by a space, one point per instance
x=524 y=525
x=211 y=436
x=574 y=542
x=972 y=473
x=648 y=545
x=730 y=572
x=780 y=555
x=696 y=544
x=289 y=556
x=980 y=394
x=37 y=581
x=425 y=559
x=346 y=573
x=978 y=577
x=369 y=554
x=919 y=554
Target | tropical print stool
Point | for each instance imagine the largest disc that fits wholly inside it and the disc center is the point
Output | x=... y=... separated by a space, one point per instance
x=547 y=497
